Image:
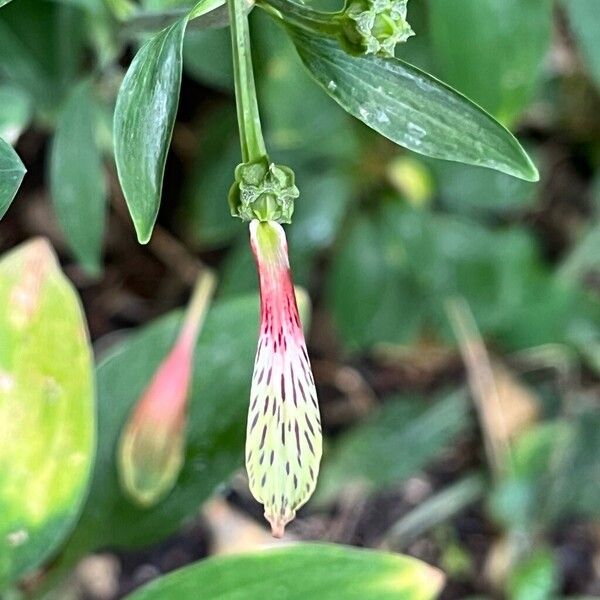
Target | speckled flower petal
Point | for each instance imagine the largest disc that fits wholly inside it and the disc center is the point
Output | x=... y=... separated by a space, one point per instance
x=283 y=443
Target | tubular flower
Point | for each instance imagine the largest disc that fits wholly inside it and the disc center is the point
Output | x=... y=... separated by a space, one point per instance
x=152 y=445
x=283 y=442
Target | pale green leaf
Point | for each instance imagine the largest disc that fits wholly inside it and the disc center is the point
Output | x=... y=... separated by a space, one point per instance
x=319 y=571
x=47 y=423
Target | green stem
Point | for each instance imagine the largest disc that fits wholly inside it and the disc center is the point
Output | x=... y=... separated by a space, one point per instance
x=251 y=138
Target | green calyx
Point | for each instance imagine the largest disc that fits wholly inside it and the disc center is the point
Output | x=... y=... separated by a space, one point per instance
x=263 y=191
x=374 y=26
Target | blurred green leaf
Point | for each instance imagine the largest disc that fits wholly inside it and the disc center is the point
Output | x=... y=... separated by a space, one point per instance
x=216 y=71
x=397 y=265
x=535 y=578
x=143 y=124
x=77 y=179
x=217 y=420
x=41 y=47
x=412 y=108
x=206 y=217
x=12 y=172
x=4 y=2
x=492 y=50
x=583 y=18
x=46 y=408
x=334 y=572
x=555 y=474
x=370 y=291
x=15 y=112
x=470 y=190
x=400 y=440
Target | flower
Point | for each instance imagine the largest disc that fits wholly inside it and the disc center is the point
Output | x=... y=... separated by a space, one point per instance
x=283 y=441
x=152 y=445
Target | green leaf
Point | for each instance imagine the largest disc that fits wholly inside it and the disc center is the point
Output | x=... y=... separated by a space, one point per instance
x=401 y=439
x=46 y=408
x=412 y=108
x=371 y=291
x=535 y=577
x=216 y=71
x=41 y=49
x=143 y=124
x=492 y=50
x=206 y=217
x=12 y=172
x=322 y=571
x=217 y=420
x=583 y=18
x=15 y=112
x=397 y=265
x=4 y=2
x=469 y=190
x=77 y=178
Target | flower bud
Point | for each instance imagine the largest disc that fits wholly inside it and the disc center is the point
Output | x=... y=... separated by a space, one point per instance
x=263 y=191
x=374 y=26
x=283 y=441
x=152 y=445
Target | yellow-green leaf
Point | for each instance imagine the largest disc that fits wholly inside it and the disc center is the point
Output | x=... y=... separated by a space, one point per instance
x=320 y=571
x=46 y=408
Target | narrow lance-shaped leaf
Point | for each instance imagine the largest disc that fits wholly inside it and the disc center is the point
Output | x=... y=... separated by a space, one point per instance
x=77 y=178
x=320 y=571
x=12 y=172
x=47 y=422
x=412 y=108
x=143 y=123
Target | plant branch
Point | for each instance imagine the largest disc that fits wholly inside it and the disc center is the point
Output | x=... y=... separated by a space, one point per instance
x=251 y=138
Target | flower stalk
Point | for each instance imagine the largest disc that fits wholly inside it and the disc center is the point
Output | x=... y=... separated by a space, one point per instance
x=251 y=137
x=152 y=445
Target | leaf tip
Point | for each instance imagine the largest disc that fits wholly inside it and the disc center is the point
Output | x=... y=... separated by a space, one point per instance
x=143 y=232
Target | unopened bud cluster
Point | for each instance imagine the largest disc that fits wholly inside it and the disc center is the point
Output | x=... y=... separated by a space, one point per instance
x=375 y=26
x=263 y=191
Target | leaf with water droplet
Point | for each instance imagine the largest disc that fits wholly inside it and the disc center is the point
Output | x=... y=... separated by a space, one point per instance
x=412 y=108
x=46 y=408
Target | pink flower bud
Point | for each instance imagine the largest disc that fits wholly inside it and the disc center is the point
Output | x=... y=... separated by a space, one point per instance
x=283 y=442
x=152 y=445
